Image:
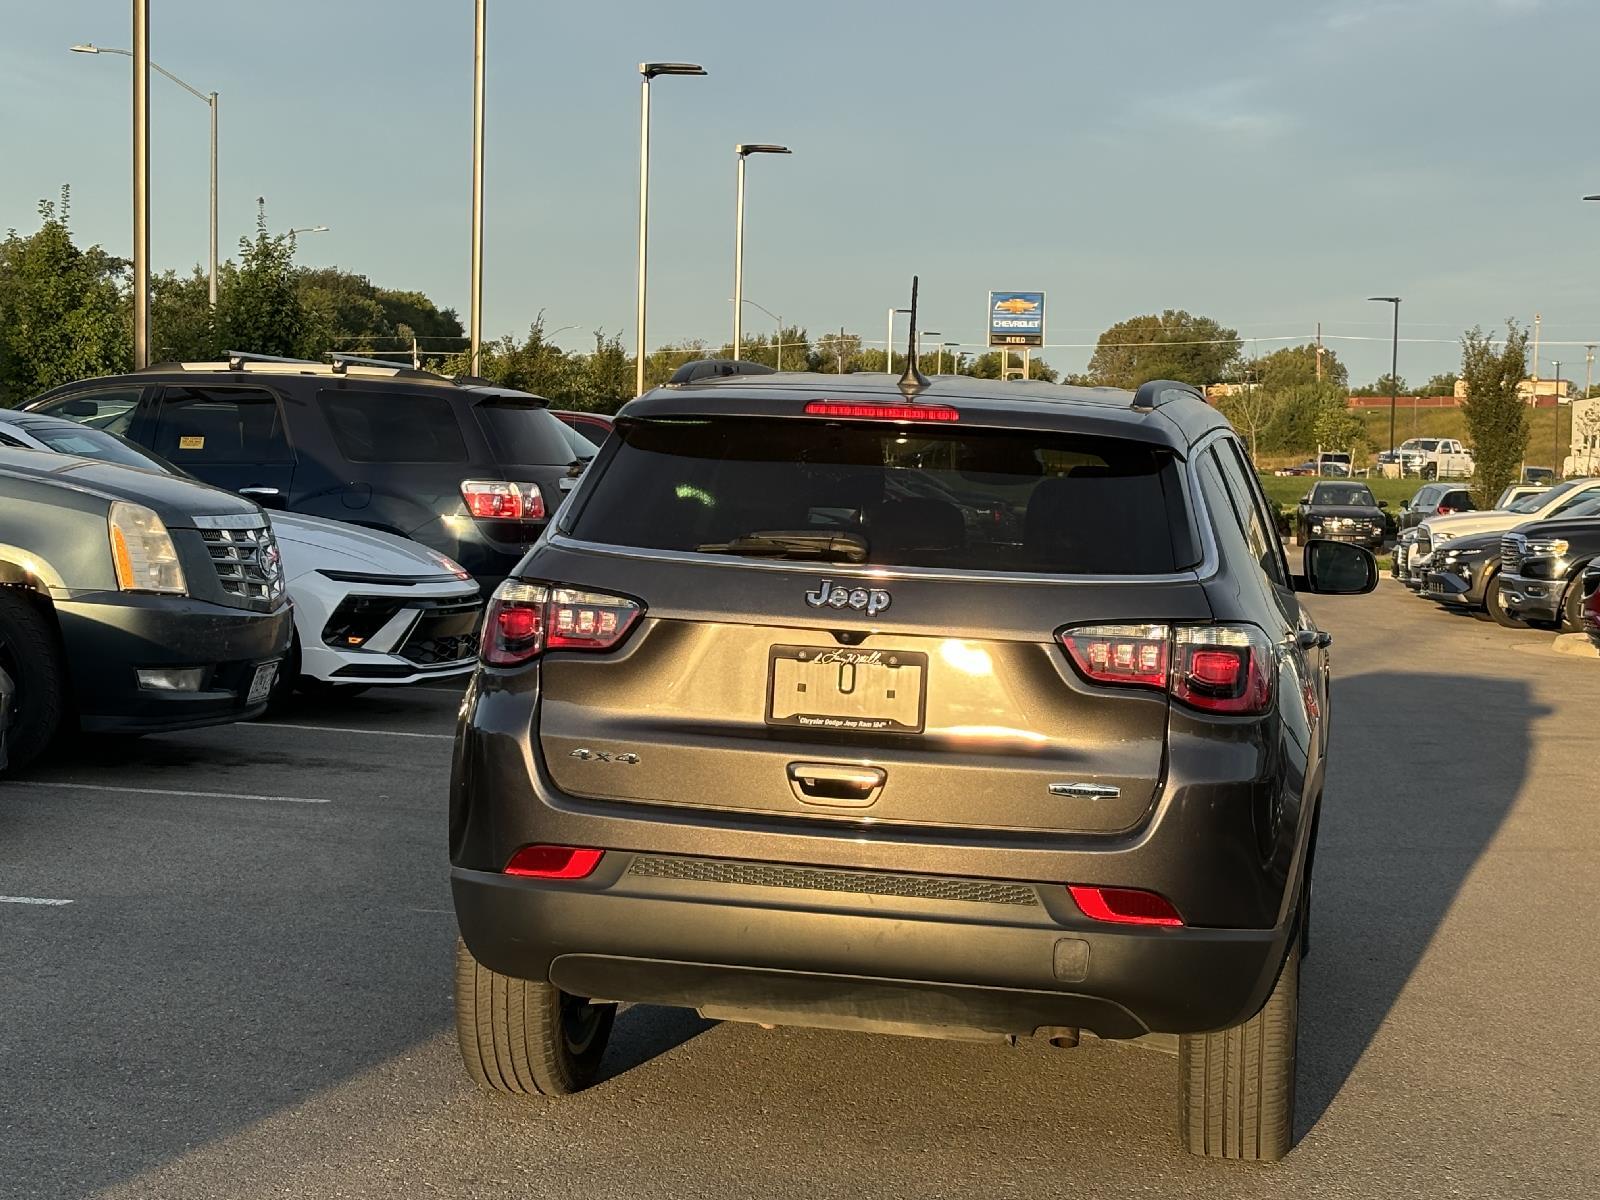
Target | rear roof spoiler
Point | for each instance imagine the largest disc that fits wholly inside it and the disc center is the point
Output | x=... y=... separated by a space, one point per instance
x=1157 y=392
x=715 y=368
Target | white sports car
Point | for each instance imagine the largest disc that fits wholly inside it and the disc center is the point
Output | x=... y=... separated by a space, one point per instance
x=369 y=607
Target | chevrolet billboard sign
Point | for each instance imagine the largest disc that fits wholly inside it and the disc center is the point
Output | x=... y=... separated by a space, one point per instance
x=1016 y=318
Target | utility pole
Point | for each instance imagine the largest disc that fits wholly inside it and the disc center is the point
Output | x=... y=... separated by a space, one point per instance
x=1536 y=320
x=1319 y=351
x=141 y=184
x=475 y=315
x=1555 y=460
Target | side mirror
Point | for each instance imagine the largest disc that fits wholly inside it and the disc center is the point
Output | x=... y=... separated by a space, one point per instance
x=1337 y=569
x=1383 y=504
x=1306 y=499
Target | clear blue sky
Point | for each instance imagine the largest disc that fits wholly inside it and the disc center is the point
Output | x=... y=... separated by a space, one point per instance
x=1265 y=163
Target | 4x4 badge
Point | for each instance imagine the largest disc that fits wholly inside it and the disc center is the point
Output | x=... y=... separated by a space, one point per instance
x=868 y=600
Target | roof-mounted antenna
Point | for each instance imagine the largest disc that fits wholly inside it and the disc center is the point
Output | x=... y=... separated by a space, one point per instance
x=913 y=381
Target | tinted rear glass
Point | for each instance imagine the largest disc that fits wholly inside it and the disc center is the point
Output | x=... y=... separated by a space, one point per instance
x=521 y=432
x=394 y=427
x=966 y=499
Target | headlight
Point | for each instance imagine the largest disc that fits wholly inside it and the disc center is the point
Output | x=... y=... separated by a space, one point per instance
x=143 y=552
x=449 y=564
x=1548 y=548
x=1440 y=538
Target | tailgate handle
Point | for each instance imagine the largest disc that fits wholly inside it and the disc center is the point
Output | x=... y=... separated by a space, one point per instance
x=837 y=785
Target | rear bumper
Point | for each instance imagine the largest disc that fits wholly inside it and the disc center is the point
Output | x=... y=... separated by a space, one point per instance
x=942 y=967
x=110 y=636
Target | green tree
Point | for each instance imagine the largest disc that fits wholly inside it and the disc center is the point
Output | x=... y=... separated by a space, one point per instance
x=607 y=377
x=987 y=366
x=1497 y=419
x=183 y=327
x=262 y=312
x=1290 y=366
x=1251 y=410
x=1174 y=345
x=1443 y=384
x=835 y=352
x=63 y=310
x=1301 y=413
x=1384 y=385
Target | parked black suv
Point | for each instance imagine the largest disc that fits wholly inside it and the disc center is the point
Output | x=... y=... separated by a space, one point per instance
x=1542 y=565
x=130 y=601
x=765 y=730
x=472 y=470
x=1344 y=512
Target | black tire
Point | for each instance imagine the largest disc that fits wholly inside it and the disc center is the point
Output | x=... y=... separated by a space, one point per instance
x=1237 y=1085
x=31 y=655
x=1572 y=607
x=281 y=698
x=1496 y=610
x=1430 y=471
x=524 y=1038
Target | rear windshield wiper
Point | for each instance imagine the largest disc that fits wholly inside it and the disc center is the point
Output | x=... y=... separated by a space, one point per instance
x=794 y=543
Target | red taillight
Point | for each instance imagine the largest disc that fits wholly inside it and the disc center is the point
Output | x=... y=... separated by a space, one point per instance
x=497 y=500
x=881 y=412
x=1134 y=654
x=1124 y=906
x=553 y=862
x=523 y=620
x=1218 y=668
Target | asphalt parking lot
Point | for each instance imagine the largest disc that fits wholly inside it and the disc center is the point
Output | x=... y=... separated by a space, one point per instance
x=247 y=990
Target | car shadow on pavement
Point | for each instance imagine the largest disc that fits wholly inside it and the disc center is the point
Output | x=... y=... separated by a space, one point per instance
x=644 y=1032
x=1399 y=836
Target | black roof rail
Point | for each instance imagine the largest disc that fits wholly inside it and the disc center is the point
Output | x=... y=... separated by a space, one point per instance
x=1163 y=391
x=715 y=368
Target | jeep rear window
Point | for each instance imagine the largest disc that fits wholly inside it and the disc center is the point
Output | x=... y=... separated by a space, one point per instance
x=523 y=431
x=394 y=427
x=963 y=499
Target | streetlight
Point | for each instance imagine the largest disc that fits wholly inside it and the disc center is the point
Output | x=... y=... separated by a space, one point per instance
x=744 y=150
x=475 y=314
x=939 y=365
x=922 y=333
x=289 y=234
x=1394 y=364
x=649 y=71
x=778 y=320
x=210 y=99
x=1555 y=461
x=888 y=341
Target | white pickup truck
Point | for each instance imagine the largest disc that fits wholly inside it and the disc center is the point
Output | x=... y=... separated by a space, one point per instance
x=1441 y=458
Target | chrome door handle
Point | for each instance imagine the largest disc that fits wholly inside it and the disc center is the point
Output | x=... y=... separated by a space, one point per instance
x=837 y=785
x=260 y=491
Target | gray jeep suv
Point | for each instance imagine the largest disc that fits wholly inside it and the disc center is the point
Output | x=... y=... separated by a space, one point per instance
x=972 y=709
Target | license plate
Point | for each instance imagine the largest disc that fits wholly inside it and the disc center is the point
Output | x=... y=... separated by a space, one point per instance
x=839 y=688
x=261 y=683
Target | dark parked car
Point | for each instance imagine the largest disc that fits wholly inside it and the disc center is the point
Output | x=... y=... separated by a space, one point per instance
x=130 y=601
x=1542 y=566
x=594 y=426
x=471 y=470
x=1464 y=573
x=1343 y=512
x=760 y=732
x=1591 y=602
x=1434 y=500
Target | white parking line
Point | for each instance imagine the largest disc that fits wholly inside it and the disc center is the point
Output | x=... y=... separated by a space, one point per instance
x=40 y=900
x=441 y=737
x=103 y=787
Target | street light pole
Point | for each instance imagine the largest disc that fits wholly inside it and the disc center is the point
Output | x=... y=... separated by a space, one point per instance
x=211 y=102
x=141 y=184
x=939 y=366
x=649 y=71
x=1394 y=364
x=1555 y=460
x=888 y=341
x=778 y=320
x=475 y=317
x=744 y=150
